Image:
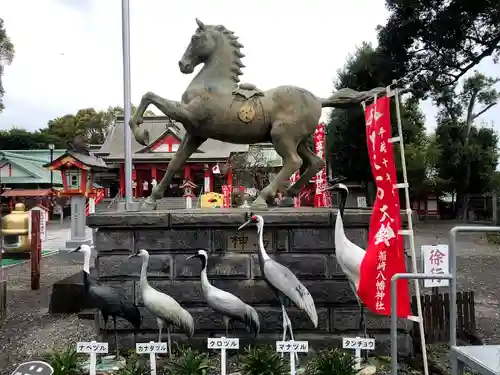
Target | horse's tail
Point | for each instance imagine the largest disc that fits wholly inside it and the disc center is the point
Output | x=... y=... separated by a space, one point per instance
x=346 y=97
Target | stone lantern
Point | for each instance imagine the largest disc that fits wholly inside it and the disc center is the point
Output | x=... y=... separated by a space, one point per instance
x=188 y=187
x=78 y=168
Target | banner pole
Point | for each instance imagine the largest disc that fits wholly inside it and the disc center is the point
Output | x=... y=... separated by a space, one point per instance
x=410 y=230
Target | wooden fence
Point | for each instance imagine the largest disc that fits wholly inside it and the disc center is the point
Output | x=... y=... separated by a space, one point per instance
x=436 y=314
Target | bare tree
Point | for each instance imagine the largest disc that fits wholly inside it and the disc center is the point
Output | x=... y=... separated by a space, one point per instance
x=251 y=168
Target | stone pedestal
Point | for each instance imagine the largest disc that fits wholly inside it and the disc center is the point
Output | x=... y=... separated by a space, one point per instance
x=78 y=223
x=301 y=239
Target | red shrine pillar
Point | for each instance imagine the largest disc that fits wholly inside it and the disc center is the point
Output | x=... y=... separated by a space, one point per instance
x=187 y=172
x=153 y=173
x=230 y=176
x=122 y=179
x=208 y=179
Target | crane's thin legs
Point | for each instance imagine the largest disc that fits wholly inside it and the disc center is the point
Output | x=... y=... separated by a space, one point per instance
x=116 y=337
x=169 y=343
x=160 y=326
x=225 y=319
x=362 y=325
x=284 y=324
x=289 y=325
x=105 y=318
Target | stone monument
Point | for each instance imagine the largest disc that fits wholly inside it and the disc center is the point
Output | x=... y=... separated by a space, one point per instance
x=301 y=239
x=215 y=105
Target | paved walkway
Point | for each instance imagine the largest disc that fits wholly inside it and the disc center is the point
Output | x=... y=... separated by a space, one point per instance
x=57 y=236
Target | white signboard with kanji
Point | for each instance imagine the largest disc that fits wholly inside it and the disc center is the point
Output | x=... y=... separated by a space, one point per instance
x=436 y=259
x=361 y=202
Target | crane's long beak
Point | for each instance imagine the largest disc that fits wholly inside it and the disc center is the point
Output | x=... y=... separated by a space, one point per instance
x=133 y=255
x=75 y=250
x=245 y=224
x=193 y=256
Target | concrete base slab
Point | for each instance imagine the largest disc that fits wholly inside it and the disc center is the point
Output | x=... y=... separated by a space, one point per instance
x=73 y=244
x=134 y=206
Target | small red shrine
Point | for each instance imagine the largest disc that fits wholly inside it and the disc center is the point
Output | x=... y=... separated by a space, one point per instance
x=78 y=167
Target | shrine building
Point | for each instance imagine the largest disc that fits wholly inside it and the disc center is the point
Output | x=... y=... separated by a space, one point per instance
x=151 y=161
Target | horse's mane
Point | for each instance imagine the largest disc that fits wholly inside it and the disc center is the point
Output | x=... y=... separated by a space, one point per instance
x=236 y=47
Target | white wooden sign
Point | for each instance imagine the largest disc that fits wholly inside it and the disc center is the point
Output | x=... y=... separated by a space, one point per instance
x=151 y=348
x=436 y=259
x=223 y=344
x=293 y=347
x=44 y=217
x=92 y=348
x=357 y=344
x=91 y=205
x=361 y=202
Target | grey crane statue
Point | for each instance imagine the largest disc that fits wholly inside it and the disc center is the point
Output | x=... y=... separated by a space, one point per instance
x=106 y=299
x=282 y=281
x=228 y=305
x=349 y=255
x=164 y=308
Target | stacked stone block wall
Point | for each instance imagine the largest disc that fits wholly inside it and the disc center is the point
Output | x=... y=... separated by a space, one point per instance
x=302 y=240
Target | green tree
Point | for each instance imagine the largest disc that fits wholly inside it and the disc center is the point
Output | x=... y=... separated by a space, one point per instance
x=22 y=139
x=6 y=56
x=346 y=130
x=439 y=41
x=468 y=152
x=88 y=122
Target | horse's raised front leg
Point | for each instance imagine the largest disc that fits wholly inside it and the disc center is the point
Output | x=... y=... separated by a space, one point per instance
x=285 y=145
x=188 y=145
x=174 y=110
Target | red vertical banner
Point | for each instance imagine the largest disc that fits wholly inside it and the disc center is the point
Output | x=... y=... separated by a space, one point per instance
x=293 y=179
x=226 y=192
x=384 y=254
x=321 y=196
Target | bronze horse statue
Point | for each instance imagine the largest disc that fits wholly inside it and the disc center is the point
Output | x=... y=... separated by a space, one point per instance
x=216 y=106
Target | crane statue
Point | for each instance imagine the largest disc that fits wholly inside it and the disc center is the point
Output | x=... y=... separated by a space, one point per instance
x=106 y=299
x=228 y=305
x=282 y=281
x=164 y=308
x=216 y=106
x=349 y=255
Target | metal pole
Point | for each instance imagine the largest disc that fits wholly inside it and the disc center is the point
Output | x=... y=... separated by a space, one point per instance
x=394 y=306
x=127 y=102
x=51 y=146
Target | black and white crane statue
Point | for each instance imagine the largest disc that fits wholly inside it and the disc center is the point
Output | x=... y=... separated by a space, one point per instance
x=228 y=305
x=284 y=283
x=167 y=311
x=106 y=299
x=349 y=255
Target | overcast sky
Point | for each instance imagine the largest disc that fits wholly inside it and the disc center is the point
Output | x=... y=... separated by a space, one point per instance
x=69 y=52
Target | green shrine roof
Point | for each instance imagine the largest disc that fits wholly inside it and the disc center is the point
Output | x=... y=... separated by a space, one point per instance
x=27 y=167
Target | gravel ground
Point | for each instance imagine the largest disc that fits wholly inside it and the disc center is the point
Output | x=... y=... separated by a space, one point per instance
x=478 y=265
x=30 y=331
